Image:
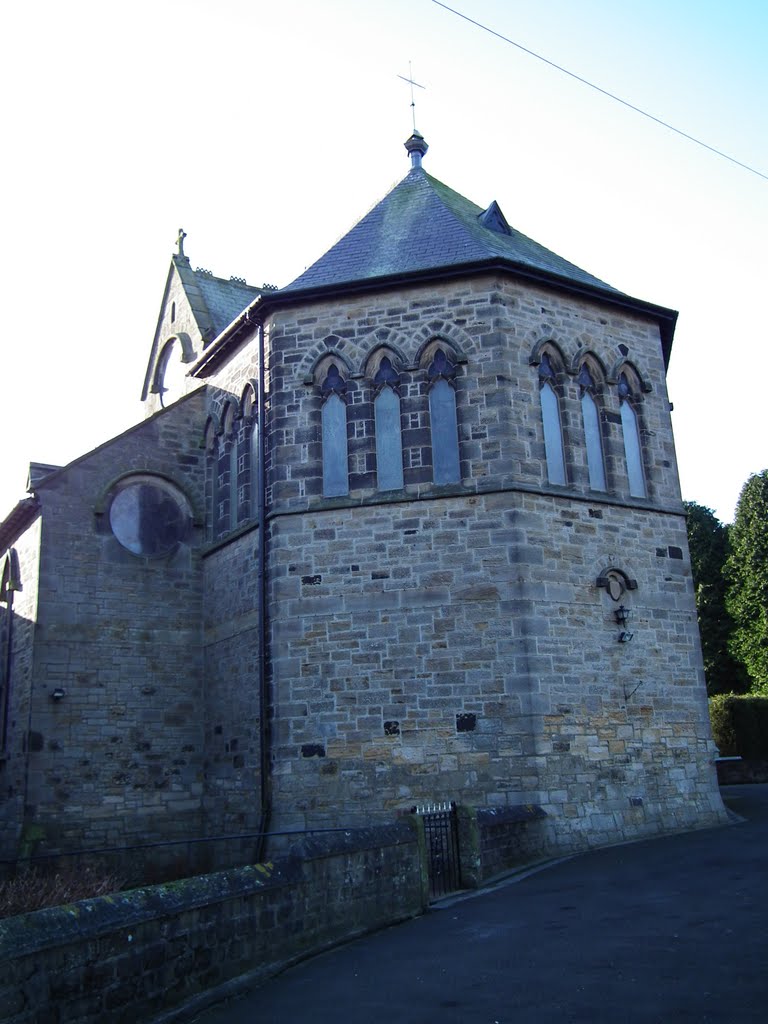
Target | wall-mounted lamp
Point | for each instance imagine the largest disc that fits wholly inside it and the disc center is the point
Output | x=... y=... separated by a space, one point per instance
x=622 y=617
x=58 y=693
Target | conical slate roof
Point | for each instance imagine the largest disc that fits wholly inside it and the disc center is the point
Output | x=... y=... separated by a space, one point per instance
x=422 y=226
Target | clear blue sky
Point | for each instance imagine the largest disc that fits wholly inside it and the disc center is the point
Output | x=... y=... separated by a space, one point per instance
x=267 y=132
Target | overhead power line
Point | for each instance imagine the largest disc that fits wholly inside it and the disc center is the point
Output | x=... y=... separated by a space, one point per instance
x=605 y=92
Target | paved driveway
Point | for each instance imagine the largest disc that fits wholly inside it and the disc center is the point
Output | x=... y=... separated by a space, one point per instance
x=671 y=929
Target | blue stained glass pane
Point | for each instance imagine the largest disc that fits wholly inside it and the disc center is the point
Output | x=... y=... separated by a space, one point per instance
x=594 y=443
x=553 y=435
x=335 y=474
x=633 y=451
x=389 y=445
x=445 y=436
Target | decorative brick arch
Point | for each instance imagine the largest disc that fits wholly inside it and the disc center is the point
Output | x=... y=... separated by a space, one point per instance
x=427 y=351
x=379 y=343
x=340 y=348
x=377 y=355
x=187 y=354
x=230 y=414
x=460 y=341
x=323 y=362
x=550 y=341
x=642 y=386
x=249 y=399
x=102 y=502
x=593 y=361
x=211 y=431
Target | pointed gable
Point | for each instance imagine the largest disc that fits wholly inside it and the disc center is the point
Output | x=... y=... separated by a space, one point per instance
x=195 y=309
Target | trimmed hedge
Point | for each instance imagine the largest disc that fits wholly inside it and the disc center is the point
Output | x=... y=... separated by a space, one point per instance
x=740 y=725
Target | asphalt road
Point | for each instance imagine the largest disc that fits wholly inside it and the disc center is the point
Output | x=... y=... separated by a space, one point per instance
x=670 y=929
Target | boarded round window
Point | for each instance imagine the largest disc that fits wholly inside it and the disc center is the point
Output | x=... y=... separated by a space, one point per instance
x=149 y=516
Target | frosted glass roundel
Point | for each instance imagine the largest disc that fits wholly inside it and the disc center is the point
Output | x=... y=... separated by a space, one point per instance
x=148 y=517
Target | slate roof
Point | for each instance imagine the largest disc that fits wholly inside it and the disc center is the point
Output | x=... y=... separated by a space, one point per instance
x=223 y=299
x=422 y=225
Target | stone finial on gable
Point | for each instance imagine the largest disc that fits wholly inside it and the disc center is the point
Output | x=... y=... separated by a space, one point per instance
x=180 y=243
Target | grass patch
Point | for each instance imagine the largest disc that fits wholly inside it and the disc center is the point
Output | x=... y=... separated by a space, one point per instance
x=32 y=890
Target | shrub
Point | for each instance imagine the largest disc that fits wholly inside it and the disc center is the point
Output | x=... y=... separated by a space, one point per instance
x=32 y=890
x=740 y=725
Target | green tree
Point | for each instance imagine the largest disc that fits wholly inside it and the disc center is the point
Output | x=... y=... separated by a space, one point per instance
x=708 y=542
x=746 y=571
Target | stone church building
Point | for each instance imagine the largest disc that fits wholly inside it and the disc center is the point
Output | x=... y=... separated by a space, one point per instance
x=408 y=529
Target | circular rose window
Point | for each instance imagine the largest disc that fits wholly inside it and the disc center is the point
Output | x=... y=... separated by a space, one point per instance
x=149 y=516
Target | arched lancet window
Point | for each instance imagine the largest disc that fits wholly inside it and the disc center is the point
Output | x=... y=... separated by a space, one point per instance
x=334 y=433
x=631 y=430
x=389 y=441
x=550 y=416
x=442 y=421
x=227 y=486
x=212 y=470
x=9 y=581
x=590 y=417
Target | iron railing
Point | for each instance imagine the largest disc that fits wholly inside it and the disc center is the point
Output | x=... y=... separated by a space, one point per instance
x=442 y=841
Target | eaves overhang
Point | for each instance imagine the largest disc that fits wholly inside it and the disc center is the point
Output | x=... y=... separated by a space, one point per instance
x=265 y=305
x=17 y=521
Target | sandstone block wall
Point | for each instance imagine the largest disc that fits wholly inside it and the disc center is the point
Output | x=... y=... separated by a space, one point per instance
x=120 y=758
x=452 y=642
x=13 y=764
x=231 y=672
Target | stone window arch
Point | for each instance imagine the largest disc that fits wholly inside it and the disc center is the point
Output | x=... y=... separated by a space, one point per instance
x=387 y=425
x=171 y=371
x=630 y=396
x=589 y=379
x=550 y=374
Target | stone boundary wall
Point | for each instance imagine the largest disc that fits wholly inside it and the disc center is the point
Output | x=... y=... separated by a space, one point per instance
x=161 y=952
x=492 y=840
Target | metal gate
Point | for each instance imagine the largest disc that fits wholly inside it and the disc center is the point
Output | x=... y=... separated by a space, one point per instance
x=442 y=840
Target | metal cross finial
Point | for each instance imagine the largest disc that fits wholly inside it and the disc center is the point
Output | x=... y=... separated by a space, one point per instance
x=180 y=241
x=411 y=82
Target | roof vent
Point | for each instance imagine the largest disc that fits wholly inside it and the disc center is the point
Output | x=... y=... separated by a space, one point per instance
x=494 y=219
x=417 y=147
